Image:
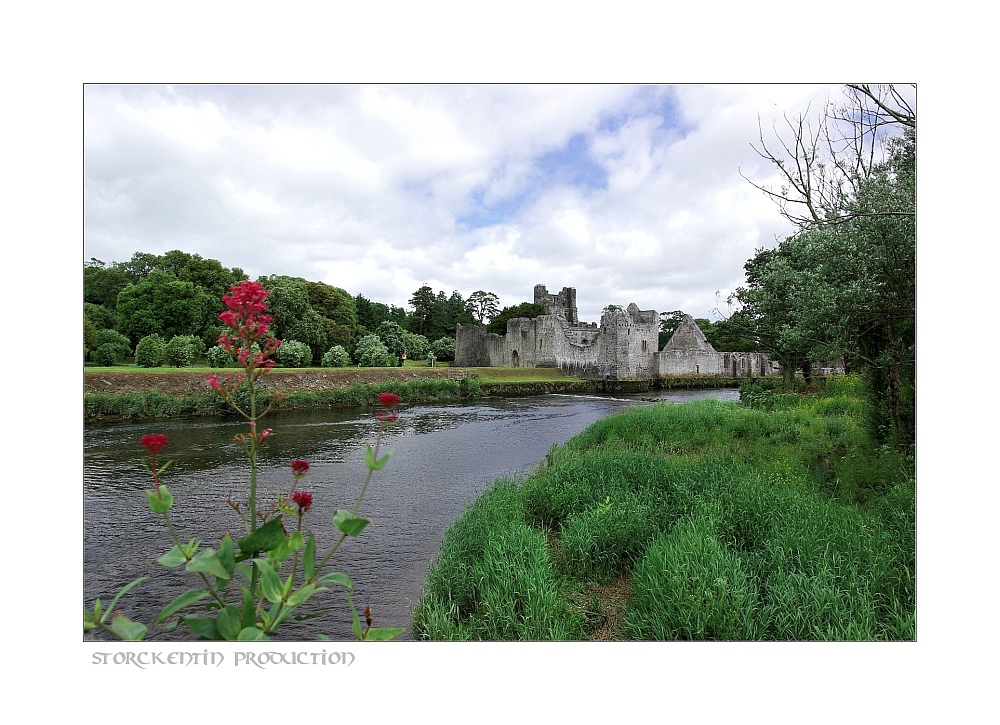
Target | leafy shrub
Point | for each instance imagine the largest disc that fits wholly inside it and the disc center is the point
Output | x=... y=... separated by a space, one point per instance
x=417 y=346
x=89 y=337
x=294 y=354
x=117 y=340
x=470 y=387
x=444 y=349
x=217 y=357
x=180 y=351
x=106 y=355
x=371 y=353
x=392 y=336
x=100 y=317
x=149 y=351
x=335 y=357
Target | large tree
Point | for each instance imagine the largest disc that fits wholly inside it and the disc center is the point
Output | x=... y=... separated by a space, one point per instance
x=845 y=283
x=160 y=304
x=484 y=306
x=422 y=302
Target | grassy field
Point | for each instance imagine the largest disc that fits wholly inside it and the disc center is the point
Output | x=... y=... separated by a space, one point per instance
x=704 y=521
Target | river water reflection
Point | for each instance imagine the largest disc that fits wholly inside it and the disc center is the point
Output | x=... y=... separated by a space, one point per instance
x=444 y=456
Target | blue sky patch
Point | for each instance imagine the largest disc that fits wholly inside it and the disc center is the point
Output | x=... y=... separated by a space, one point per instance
x=570 y=165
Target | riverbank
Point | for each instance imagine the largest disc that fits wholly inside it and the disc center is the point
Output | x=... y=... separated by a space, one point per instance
x=128 y=393
x=704 y=521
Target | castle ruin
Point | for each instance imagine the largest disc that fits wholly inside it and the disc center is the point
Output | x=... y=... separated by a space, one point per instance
x=622 y=347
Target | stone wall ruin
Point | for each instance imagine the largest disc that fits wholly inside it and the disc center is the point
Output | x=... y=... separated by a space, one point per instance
x=622 y=347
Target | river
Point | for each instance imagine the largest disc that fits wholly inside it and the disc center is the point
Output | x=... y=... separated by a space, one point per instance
x=444 y=456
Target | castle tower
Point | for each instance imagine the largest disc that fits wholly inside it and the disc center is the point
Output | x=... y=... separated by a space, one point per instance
x=562 y=304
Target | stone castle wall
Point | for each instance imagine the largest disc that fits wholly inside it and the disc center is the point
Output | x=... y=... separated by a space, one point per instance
x=622 y=347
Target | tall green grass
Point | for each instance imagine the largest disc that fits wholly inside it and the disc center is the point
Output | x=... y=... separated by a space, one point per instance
x=494 y=579
x=157 y=405
x=732 y=522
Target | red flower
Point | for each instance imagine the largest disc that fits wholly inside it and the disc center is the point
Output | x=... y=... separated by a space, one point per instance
x=303 y=499
x=299 y=467
x=154 y=443
x=388 y=399
x=387 y=417
x=246 y=304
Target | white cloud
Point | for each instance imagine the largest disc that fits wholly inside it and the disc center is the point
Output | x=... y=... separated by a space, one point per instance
x=367 y=187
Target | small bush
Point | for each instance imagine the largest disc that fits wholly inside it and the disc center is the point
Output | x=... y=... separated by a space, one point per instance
x=417 y=346
x=294 y=354
x=335 y=357
x=444 y=349
x=217 y=357
x=106 y=355
x=149 y=351
x=371 y=353
x=114 y=338
x=181 y=351
x=470 y=387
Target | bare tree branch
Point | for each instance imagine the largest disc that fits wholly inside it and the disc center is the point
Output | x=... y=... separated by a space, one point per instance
x=822 y=167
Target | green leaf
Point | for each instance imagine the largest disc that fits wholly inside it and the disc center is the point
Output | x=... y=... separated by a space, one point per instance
x=202 y=626
x=370 y=461
x=164 y=467
x=383 y=634
x=338 y=578
x=309 y=558
x=323 y=638
x=127 y=629
x=251 y=634
x=160 y=503
x=245 y=569
x=184 y=600
x=174 y=557
x=227 y=554
x=265 y=538
x=282 y=551
x=228 y=622
x=119 y=595
x=349 y=523
x=207 y=562
x=247 y=612
x=296 y=541
x=297 y=597
x=270 y=584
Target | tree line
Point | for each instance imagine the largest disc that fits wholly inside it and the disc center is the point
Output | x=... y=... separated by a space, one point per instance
x=163 y=309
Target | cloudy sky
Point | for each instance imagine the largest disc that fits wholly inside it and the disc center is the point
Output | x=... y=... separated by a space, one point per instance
x=628 y=193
